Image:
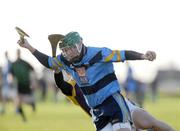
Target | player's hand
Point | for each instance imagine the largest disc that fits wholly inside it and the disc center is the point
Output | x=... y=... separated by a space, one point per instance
x=23 y=43
x=150 y=55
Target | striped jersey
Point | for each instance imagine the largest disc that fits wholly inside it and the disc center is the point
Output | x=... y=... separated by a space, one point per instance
x=94 y=74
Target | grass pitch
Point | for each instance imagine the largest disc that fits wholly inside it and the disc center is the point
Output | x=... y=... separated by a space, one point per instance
x=67 y=117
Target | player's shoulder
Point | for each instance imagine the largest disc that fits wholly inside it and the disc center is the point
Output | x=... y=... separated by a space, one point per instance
x=95 y=50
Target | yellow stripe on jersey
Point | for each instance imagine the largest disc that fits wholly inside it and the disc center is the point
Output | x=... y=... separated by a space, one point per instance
x=56 y=64
x=118 y=55
x=72 y=98
x=72 y=82
x=108 y=58
x=56 y=60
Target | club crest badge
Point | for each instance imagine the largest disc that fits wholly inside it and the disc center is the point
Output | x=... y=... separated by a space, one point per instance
x=81 y=71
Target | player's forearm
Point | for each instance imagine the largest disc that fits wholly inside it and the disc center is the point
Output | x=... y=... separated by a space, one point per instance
x=31 y=49
x=132 y=55
x=42 y=58
x=24 y=43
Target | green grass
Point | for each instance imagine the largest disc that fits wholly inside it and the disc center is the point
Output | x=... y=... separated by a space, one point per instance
x=49 y=117
x=67 y=117
x=166 y=109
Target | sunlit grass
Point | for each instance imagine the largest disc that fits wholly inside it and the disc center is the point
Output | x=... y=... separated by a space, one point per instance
x=49 y=117
x=67 y=117
x=166 y=109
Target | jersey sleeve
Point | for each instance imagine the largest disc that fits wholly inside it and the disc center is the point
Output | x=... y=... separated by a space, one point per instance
x=109 y=55
x=55 y=63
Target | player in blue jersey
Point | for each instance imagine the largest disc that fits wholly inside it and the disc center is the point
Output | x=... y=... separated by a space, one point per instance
x=141 y=119
x=92 y=69
x=64 y=81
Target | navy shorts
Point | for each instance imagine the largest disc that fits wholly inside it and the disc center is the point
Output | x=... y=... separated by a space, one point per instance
x=113 y=110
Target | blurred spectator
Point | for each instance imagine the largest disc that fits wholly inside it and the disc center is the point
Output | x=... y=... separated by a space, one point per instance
x=21 y=71
x=8 y=89
x=0 y=83
x=140 y=93
x=43 y=88
x=154 y=89
x=48 y=77
x=135 y=89
x=130 y=84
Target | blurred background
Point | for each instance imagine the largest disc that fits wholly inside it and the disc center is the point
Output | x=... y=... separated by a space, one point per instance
x=132 y=25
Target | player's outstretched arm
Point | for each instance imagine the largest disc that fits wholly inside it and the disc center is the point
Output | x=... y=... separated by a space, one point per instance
x=109 y=55
x=132 y=55
x=42 y=58
x=25 y=44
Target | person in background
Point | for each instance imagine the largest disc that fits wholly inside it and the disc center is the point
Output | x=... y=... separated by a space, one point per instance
x=0 y=83
x=8 y=87
x=130 y=84
x=134 y=88
x=22 y=72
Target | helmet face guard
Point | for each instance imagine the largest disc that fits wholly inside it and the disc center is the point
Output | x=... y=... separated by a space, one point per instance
x=72 y=53
x=71 y=46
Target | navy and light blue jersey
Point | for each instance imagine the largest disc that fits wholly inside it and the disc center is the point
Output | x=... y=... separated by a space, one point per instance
x=94 y=74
